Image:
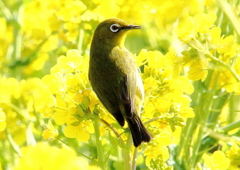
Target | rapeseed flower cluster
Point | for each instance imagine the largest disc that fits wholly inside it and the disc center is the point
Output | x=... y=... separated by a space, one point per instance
x=72 y=102
x=234 y=156
x=218 y=160
x=2 y=120
x=190 y=72
x=43 y=156
x=209 y=50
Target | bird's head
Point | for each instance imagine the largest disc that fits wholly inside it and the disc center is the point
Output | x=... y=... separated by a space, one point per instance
x=112 y=32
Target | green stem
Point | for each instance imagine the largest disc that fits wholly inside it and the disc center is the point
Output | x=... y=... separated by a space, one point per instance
x=17 y=43
x=202 y=111
x=221 y=63
x=218 y=102
x=134 y=159
x=185 y=146
x=126 y=150
x=6 y=12
x=127 y=159
x=234 y=108
x=80 y=41
x=100 y=154
x=126 y=153
x=23 y=114
x=231 y=126
x=14 y=146
x=229 y=12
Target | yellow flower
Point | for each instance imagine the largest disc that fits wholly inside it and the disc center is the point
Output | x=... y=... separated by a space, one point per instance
x=225 y=46
x=156 y=153
x=36 y=65
x=71 y=11
x=71 y=62
x=237 y=65
x=163 y=139
x=217 y=161
x=31 y=88
x=175 y=61
x=60 y=111
x=106 y=9
x=234 y=87
x=203 y=22
x=50 y=131
x=214 y=35
x=162 y=104
x=155 y=59
x=60 y=115
x=80 y=130
x=77 y=124
x=6 y=38
x=183 y=99
x=19 y=133
x=226 y=80
x=150 y=84
x=71 y=101
x=198 y=70
x=2 y=120
x=189 y=27
x=234 y=155
x=187 y=112
x=49 y=45
x=45 y=157
x=45 y=104
x=75 y=83
x=72 y=31
x=53 y=23
x=91 y=100
x=141 y=59
x=9 y=87
x=88 y=15
x=54 y=83
x=185 y=29
x=184 y=85
x=164 y=94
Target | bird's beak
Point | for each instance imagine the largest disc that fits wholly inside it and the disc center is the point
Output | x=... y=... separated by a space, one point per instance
x=128 y=27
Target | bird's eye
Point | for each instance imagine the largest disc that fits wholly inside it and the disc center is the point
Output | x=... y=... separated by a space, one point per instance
x=114 y=27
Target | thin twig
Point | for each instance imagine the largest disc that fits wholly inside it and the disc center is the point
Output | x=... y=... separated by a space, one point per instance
x=152 y=120
x=113 y=129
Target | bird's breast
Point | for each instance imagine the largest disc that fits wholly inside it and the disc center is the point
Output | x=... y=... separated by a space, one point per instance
x=104 y=69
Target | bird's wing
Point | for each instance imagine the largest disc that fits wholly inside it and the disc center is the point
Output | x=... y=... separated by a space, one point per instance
x=127 y=85
x=108 y=99
x=138 y=99
x=105 y=79
x=140 y=88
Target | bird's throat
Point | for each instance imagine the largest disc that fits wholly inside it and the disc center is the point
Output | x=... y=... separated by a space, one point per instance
x=121 y=41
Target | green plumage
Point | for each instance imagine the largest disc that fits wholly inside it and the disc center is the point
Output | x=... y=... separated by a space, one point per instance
x=114 y=76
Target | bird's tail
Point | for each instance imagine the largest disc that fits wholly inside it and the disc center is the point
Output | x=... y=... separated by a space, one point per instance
x=139 y=132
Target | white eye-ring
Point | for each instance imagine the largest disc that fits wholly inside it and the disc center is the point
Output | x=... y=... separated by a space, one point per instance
x=114 y=27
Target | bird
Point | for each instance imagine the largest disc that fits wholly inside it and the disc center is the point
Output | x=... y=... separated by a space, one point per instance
x=115 y=78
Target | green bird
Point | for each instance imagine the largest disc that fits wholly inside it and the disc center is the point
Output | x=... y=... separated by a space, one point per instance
x=115 y=78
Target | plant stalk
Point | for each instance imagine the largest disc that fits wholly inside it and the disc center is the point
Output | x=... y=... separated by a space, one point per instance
x=100 y=154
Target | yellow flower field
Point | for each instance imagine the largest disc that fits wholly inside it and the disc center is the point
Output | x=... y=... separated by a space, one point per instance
x=188 y=53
